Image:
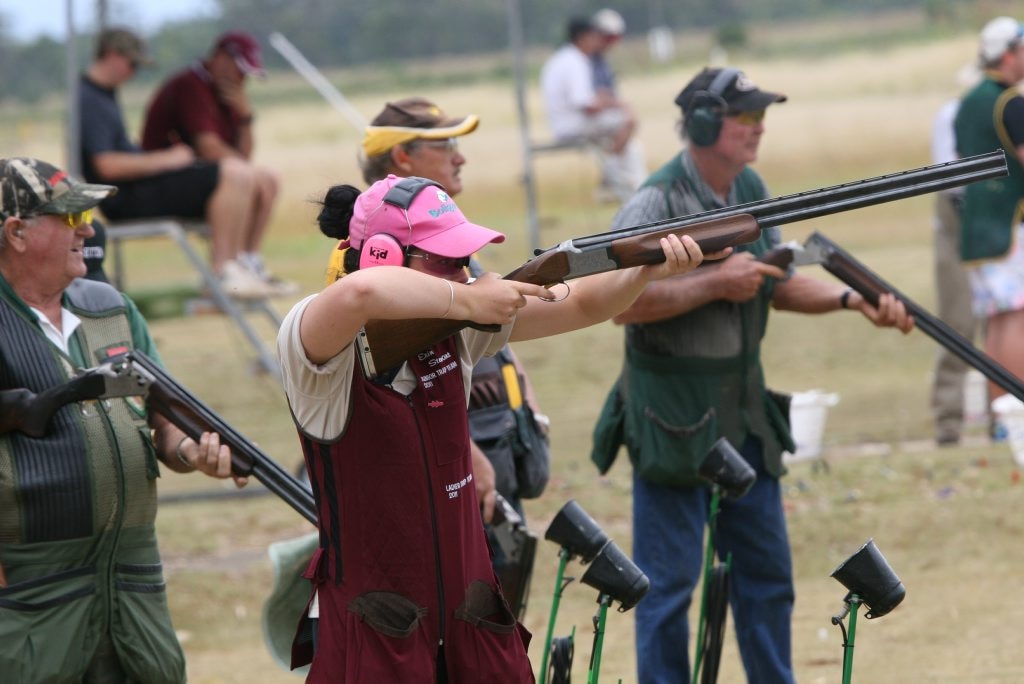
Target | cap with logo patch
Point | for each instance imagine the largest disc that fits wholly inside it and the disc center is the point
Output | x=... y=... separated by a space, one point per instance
x=30 y=187
x=432 y=221
x=740 y=93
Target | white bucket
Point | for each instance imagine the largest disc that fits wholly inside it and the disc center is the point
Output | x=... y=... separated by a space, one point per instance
x=808 y=412
x=1009 y=410
x=975 y=398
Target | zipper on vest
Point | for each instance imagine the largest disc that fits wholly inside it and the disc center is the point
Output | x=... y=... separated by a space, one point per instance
x=442 y=611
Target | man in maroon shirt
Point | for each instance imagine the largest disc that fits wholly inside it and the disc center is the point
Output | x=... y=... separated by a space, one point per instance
x=206 y=107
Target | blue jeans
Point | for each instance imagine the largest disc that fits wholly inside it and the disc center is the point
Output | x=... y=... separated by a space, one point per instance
x=668 y=545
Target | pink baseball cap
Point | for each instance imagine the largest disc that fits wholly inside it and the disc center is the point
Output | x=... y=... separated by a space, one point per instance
x=417 y=211
x=244 y=49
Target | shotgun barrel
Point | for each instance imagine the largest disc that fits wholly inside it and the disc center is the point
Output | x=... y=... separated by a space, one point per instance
x=170 y=399
x=870 y=285
x=801 y=206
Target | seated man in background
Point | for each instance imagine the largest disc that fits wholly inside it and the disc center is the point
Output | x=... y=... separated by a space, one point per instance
x=167 y=182
x=578 y=108
x=206 y=107
x=612 y=27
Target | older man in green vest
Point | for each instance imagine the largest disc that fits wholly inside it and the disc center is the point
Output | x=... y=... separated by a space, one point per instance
x=693 y=374
x=82 y=593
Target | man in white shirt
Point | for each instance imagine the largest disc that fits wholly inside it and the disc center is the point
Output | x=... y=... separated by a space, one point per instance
x=577 y=109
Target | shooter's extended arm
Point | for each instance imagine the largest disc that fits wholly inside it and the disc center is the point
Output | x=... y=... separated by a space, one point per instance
x=385 y=344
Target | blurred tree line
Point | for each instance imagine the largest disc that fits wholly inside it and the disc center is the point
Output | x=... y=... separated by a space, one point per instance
x=333 y=33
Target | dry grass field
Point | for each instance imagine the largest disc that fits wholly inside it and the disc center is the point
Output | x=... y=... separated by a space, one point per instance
x=947 y=520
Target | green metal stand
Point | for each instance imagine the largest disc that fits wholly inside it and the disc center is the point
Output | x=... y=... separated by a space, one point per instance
x=852 y=602
x=560 y=585
x=709 y=557
x=603 y=601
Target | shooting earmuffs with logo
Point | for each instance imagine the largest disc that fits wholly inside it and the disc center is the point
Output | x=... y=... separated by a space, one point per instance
x=382 y=249
x=704 y=121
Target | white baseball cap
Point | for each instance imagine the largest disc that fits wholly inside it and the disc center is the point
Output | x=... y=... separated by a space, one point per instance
x=609 y=22
x=998 y=36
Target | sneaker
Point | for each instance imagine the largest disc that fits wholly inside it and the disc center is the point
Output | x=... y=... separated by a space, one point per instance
x=240 y=283
x=278 y=286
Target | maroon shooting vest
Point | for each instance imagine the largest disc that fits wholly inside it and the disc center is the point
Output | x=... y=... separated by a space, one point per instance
x=403 y=566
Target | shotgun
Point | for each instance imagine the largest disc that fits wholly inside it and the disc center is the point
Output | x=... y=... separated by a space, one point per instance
x=818 y=249
x=385 y=344
x=171 y=400
x=135 y=374
x=22 y=410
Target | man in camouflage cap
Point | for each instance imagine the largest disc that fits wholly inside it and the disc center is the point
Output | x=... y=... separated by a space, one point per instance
x=77 y=504
x=30 y=187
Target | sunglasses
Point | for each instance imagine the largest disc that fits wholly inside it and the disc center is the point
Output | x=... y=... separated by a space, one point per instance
x=748 y=118
x=448 y=144
x=438 y=264
x=77 y=218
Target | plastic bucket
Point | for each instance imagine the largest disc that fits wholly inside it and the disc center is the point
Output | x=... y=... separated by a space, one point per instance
x=808 y=412
x=975 y=398
x=1009 y=411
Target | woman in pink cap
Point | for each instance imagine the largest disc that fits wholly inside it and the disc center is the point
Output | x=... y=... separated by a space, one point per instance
x=403 y=585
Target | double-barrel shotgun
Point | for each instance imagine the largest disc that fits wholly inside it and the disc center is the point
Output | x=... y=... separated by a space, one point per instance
x=820 y=250
x=385 y=344
x=135 y=374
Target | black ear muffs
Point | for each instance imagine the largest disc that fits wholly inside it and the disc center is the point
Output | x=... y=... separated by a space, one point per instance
x=704 y=122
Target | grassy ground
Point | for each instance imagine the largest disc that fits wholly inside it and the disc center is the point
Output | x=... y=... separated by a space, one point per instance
x=946 y=520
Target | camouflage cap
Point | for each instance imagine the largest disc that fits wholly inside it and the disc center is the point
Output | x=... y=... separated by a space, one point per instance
x=30 y=187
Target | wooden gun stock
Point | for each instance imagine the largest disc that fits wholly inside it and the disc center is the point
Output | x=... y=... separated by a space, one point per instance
x=29 y=413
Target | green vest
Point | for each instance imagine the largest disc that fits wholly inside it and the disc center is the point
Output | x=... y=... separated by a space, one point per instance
x=694 y=378
x=77 y=510
x=992 y=208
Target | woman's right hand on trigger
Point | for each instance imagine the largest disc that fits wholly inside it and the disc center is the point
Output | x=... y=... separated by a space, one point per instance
x=496 y=300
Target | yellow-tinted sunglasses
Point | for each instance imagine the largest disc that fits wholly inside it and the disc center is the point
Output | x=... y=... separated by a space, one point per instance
x=748 y=118
x=77 y=218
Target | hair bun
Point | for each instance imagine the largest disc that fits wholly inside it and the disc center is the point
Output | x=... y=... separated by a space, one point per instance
x=336 y=213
